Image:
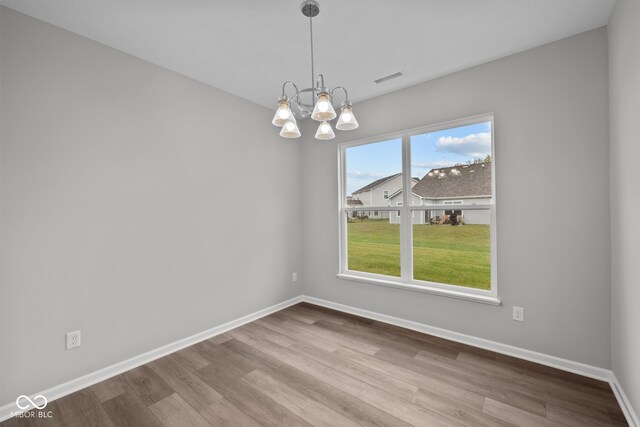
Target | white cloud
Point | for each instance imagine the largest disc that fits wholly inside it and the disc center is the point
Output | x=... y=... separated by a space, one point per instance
x=476 y=145
x=431 y=165
x=365 y=175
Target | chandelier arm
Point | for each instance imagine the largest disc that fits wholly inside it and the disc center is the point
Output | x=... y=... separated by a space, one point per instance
x=320 y=82
x=346 y=95
x=297 y=100
x=289 y=82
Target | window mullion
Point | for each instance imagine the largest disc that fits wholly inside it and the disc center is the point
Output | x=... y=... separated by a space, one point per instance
x=406 y=256
x=342 y=214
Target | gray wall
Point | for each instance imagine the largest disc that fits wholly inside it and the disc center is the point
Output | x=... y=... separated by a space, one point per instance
x=125 y=190
x=551 y=124
x=624 y=79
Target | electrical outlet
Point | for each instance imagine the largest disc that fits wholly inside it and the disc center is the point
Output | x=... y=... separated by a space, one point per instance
x=73 y=340
x=294 y=276
x=518 y=314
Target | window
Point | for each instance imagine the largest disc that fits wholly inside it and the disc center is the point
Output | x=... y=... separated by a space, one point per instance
x=433 y=193
x=372 y=248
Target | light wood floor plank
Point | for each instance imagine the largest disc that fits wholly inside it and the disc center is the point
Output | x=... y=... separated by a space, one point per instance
x=383 y=339
x=298 y=403
x=298 y=336
x=480 y=383
x=559 y=391
x=462 y=414
x=513 y=415
x=183 y=381
x=316 y=315
x=334 y=337
x=148 y=386
x=395 y=406
x=127 y=410
x=443 y=388
x=227 y=379
x=191 y=358
x=279 y=338
x=339 y=401
x=526 y=393
x=219 y=339
x=108 y=389
x=223 y=413
x=83 y=409
x=173 y=411
x=370 y=376
x=568 y=417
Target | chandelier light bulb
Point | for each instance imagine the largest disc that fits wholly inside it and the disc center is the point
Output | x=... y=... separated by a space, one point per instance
x=323 y=109
x=347 y=120
x=283 y=113
x=290 y=129
x=325 y=131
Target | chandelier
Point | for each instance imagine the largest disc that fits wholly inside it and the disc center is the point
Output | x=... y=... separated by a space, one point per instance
x=320 y=99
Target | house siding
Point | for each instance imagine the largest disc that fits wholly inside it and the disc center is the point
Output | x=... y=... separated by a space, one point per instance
x=469 y=216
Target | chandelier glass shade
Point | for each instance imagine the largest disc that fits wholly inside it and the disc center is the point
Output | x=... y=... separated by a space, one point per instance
x=320 y=107
x=283 y=113
x=325 y=131
x=347 y=120
x=323 y=109
x=290 y=129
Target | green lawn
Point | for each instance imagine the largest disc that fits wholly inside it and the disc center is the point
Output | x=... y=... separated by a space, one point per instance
x=457 y=255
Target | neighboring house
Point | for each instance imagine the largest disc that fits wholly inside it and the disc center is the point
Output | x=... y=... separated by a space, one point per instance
x=353 y=203
x=376 y=193
x=455 y=185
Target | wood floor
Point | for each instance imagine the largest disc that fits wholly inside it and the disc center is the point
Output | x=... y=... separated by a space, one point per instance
x=307 y=365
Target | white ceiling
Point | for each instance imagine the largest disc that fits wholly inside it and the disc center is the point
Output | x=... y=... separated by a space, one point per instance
x=250 y=47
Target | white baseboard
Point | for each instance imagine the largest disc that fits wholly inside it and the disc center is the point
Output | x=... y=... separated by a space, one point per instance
x=521 y=353
x=69 y=387
x=623 y=400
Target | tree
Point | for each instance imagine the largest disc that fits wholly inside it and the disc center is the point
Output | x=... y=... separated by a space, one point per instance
x=478 y=160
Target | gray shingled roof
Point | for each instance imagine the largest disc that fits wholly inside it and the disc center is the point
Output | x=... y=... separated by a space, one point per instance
x=376 y=183
x=354 y=202
x=472 y=180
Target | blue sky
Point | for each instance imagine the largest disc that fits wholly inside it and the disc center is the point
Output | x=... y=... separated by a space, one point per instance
x=366 y=163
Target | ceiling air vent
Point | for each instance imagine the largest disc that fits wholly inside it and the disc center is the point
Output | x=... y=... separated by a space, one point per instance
x=389 y=77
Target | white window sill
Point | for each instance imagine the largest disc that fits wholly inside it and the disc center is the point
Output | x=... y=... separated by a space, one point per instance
x=484 y=299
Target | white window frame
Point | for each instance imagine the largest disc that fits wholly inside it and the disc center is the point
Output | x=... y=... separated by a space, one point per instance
x=406 y=280
x=385 y=194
